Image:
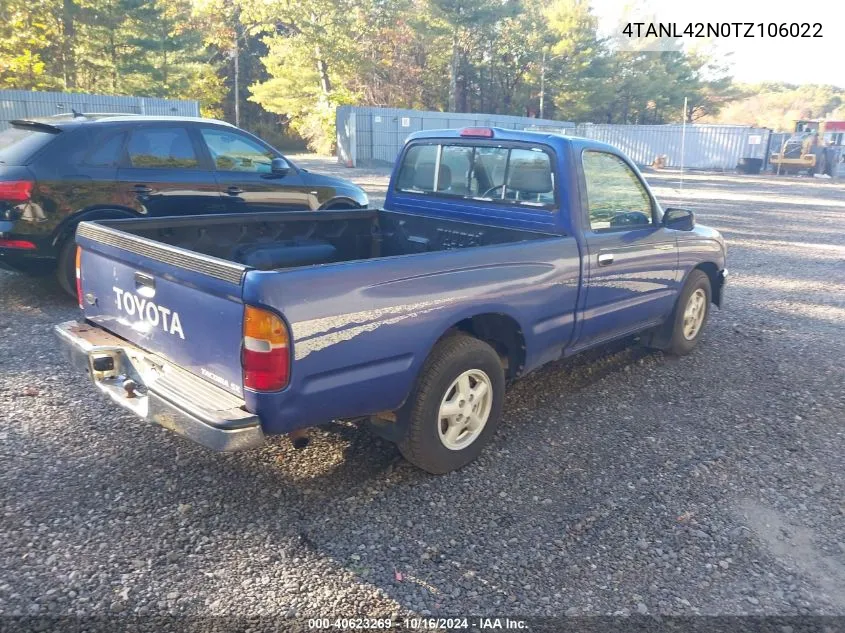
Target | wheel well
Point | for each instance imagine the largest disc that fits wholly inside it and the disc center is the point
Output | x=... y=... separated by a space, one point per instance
x=712 y=271
x=503 y=334
x=340 y=203
x=68 y=227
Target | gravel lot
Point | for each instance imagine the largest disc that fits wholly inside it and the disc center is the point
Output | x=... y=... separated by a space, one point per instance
x=625 y=482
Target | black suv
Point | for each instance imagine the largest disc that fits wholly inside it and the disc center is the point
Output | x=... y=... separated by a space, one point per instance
x=58 y=171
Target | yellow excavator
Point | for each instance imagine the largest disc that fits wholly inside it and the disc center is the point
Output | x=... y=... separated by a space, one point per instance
x=814 y=146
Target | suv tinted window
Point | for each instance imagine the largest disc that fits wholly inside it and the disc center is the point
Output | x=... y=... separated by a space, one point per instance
x=166 y=147
x=515 y=175
x=19 y=143
x=231 y=151
x=615 y=195
x=106 y=152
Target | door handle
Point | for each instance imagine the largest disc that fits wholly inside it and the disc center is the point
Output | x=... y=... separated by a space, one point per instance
x=234 y=191
x=605 y=259
x=143 y=190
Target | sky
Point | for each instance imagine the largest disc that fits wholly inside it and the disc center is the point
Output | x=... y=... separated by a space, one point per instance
x=793 y=60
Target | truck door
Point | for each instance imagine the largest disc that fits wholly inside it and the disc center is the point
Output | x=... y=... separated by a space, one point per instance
x=631 y=265
x=164 y=174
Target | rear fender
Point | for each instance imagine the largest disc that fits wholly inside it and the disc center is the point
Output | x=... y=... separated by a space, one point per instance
x=67 y=228
x=452 y=323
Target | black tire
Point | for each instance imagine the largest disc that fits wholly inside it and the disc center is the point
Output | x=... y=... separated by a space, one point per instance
x=66 y=267
x=451 y=357
x=678 y=343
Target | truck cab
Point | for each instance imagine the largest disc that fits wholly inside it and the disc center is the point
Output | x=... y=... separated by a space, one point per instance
x=631 y=256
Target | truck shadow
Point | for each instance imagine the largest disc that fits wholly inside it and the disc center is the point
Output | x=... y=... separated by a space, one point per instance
x=343 y=453
x=30 y=294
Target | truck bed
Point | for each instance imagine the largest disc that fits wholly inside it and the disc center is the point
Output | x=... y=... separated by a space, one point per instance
x=289 y=240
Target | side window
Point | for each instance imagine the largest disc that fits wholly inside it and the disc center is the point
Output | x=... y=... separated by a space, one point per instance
x=417 y=170
x=231 y=151
x=615 y=195
x=166 y=147
x=106 y=152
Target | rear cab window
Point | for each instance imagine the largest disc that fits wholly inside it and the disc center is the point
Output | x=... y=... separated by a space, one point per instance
x=505 y=173
x=19 y=143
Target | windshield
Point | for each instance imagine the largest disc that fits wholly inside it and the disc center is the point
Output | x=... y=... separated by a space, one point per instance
x=19 y=142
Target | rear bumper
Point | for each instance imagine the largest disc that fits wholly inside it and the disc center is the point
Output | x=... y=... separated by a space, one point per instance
x=29 y=261
x=35 y=260
x=164 y=393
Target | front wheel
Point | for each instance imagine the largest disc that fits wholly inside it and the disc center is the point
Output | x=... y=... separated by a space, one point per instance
x=690 y=315
x=455 y=406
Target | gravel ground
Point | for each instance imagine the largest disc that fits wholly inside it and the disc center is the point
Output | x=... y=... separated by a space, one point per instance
x=621 y=483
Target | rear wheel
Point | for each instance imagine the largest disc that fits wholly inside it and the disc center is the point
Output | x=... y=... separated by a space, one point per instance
x=455 y=406
x=66 y=267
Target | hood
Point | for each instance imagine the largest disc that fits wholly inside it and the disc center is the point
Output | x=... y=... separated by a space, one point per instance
x=342 y=186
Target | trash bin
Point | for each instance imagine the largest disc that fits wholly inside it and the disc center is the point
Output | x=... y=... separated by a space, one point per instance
x=749 y=165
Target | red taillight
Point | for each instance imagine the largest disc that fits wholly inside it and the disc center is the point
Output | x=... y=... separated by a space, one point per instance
x=482 y=132
x=15 y=190
x=79 y=276
x=266 y=350
x=22 y=244
x=265 y=371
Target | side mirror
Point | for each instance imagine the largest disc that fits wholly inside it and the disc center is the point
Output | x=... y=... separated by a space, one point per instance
x=679 y=219
x=279 y=167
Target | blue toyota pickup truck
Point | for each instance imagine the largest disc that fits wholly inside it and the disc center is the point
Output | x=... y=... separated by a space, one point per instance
x=497 y=251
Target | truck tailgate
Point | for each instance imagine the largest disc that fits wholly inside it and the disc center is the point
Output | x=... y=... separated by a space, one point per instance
x=183 y=306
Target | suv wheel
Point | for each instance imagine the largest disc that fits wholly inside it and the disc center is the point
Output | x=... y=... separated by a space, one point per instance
x=66 y=267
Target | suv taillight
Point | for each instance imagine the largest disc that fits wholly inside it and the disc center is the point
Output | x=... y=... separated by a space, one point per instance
x=266 y=350
x=79 y=276
x=15 y=190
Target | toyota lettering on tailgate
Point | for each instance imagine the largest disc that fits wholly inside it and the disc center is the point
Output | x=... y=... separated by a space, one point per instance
x=144 y=309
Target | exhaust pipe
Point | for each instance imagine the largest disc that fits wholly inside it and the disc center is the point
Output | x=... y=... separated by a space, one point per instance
x=300 y=438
